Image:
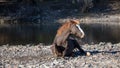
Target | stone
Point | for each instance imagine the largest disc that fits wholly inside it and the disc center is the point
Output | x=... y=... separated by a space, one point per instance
x=88 y=53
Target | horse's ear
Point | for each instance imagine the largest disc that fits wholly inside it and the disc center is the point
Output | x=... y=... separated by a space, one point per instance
x=76 y=21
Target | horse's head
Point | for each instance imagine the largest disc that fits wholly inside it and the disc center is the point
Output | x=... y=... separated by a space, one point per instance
x=76 y=29
x=71 y=27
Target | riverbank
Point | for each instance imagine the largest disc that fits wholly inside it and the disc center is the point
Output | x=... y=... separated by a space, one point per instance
x=40 y=56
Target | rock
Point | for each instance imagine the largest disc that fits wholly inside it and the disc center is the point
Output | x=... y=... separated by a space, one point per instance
x=88 y=53
x=21 y=66
x=43 y=66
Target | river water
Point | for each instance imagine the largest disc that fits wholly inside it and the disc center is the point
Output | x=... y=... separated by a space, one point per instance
x=36 y=33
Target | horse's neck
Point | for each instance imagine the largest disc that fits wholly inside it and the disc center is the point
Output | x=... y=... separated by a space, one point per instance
x=60 y=39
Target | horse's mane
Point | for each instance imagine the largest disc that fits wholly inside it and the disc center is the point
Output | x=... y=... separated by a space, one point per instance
x=66 y=26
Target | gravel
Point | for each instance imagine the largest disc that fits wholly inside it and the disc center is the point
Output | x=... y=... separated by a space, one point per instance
x=103 y=55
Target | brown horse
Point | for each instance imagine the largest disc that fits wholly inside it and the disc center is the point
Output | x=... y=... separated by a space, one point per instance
x=63 y=45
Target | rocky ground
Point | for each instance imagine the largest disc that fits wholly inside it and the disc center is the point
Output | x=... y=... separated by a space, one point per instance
x=103 y=55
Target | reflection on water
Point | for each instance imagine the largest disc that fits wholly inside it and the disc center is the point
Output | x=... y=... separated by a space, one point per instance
x=97 y=32
x=24 y=34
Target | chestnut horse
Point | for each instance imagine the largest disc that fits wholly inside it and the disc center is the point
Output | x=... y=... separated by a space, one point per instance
x=63 y=45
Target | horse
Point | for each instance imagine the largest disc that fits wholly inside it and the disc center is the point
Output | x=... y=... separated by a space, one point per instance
x=63 y=45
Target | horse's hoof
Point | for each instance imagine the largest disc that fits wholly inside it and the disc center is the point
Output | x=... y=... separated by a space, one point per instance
x=88 y=53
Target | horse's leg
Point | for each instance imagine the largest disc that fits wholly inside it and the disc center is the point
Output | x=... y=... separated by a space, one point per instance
x=69 y=49
x=76 y=44
x=60 y=50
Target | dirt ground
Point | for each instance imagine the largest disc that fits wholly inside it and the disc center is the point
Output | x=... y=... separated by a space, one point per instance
x=103 y=55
